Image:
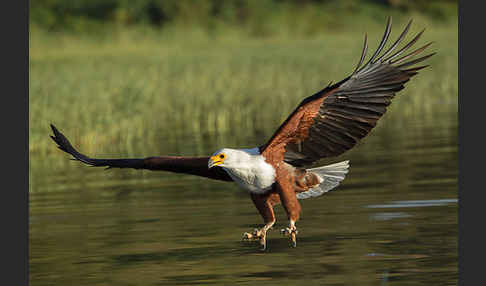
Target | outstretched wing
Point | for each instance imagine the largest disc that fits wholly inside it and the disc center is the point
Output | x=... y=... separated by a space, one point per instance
x=333 y=120
x=188 y=165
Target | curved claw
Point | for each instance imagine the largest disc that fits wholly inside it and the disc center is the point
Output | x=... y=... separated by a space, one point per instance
x=259 y=234
x=254 y=236
x=292 y=233
x=294 y=239
x=263 y=243
x=247 y=236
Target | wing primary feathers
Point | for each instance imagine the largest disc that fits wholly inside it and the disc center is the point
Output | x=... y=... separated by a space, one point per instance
x=372 y=69
x=64 y=144
x=405 y=47
x=383 y=40
x=397 y=42
x=410 y=63
x=415 y=69
x=363 y=53
x=404 y=58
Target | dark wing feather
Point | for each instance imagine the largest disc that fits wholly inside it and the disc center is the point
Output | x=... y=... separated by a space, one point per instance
x=187 y=165
x=333 y=120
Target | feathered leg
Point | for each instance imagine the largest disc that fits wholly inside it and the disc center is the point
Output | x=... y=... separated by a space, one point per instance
x=264 y=203
x=292 y=208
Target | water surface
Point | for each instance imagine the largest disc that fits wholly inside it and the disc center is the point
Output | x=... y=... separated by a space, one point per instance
x=393 y=221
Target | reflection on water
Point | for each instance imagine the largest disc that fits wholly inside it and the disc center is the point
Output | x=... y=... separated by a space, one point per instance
x=393 y=221
x=388 y=216
x=419 y=203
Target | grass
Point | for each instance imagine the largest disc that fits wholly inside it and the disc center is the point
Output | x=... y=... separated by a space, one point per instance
x=139 y=89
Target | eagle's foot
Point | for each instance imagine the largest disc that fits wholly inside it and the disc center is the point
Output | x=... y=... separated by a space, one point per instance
x=257 y=235
x=287 y=231
x=291 y=233
x=253 y=236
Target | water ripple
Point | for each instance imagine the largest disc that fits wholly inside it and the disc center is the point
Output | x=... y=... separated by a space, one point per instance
x=416 y=203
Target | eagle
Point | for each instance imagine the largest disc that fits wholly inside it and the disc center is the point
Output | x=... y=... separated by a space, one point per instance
x=323 y=125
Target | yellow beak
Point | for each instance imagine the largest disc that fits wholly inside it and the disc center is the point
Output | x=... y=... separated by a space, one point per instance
x=214 y=161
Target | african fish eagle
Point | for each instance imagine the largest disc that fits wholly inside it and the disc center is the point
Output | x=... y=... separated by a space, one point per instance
x=323 y=125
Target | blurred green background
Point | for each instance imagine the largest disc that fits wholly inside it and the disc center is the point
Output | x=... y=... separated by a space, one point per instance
x=257 y=18
x=151 y=77
x=112 y=72
x=136 y=78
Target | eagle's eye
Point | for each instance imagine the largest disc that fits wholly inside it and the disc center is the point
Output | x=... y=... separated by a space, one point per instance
x=221 y=156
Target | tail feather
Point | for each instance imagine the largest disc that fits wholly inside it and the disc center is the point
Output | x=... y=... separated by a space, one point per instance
x=331 y=176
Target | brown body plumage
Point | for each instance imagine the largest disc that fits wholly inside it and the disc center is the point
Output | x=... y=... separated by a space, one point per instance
x=325 y=124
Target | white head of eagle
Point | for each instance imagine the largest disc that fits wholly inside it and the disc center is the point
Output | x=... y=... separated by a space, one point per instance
x=246 y=167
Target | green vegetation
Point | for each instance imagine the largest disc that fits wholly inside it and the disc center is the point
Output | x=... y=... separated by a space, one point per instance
x=138 y=90
x=129 y=88
x=258 y=17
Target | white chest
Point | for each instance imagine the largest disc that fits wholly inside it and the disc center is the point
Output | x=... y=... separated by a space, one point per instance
x=255 y=175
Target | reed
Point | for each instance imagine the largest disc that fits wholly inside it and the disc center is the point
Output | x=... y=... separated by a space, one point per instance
x=141 y=89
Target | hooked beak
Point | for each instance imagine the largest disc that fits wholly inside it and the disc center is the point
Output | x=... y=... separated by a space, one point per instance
x=214 y=161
